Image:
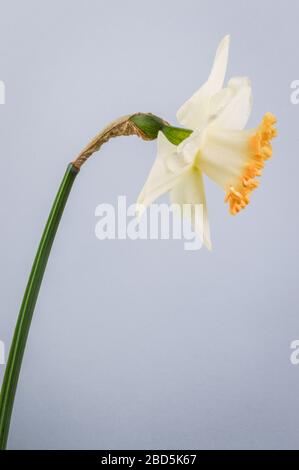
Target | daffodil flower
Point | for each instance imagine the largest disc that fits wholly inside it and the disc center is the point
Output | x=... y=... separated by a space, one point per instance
x=212 y=142
x=218 y=146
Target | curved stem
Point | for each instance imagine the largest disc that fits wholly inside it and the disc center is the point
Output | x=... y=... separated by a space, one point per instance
x=17 y=348
x=144 y=125
x=122 y=126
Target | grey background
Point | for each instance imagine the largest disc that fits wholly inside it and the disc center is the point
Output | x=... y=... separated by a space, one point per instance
x=142 y=344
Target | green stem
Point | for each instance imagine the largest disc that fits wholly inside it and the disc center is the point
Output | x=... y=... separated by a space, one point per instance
x=18 y=345
x=146 y=126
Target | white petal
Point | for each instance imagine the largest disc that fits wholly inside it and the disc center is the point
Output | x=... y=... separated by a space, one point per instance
x=166 y=171
x=190 y=190
x=232 y=106
x=196 y=110
x=190 y=147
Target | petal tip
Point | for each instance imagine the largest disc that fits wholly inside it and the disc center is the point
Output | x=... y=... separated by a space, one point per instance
x=139 y=210
x=208 y=245
x=225 y=41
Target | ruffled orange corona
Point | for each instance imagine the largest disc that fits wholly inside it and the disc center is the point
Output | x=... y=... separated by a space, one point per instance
x=260 y=149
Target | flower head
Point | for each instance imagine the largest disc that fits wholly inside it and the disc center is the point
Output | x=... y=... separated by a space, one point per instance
x=217 y=146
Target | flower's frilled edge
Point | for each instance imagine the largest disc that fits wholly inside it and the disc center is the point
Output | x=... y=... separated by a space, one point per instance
x=260 y=149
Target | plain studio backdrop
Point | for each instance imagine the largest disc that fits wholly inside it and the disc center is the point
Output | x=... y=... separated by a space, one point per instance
x=140 y=344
